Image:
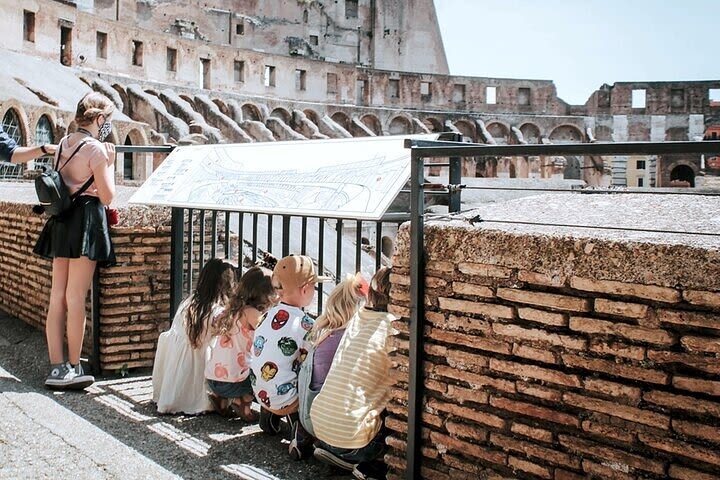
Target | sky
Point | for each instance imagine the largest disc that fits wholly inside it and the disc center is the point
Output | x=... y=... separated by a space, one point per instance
x=581 y=44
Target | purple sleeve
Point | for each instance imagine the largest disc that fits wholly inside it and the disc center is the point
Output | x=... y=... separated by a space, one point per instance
x=323 y=358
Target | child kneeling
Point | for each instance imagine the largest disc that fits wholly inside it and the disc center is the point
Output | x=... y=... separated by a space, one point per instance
x=227 y=368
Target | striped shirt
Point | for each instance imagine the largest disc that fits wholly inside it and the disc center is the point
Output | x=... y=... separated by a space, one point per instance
x=347 y=411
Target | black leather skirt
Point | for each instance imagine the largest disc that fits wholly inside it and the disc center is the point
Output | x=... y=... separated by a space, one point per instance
x=81 y=232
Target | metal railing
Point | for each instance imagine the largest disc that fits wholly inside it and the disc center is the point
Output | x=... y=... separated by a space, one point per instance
x=422 y=150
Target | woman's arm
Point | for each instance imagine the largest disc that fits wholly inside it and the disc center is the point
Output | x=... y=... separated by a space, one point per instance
x=104 y=172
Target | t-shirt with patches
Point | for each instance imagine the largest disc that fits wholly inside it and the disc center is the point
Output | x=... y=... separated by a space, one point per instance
x=280 y=345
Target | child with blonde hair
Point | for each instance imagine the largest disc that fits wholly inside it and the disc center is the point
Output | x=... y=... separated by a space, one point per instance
x=227 y=368
x=178 y=376
x=343 y=303
x=347 y=415
x=281 y=342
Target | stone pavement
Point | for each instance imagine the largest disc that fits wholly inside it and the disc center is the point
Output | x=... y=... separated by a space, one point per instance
x=113 y=431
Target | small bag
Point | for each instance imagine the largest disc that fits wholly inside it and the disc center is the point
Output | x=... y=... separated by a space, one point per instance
x=51 y=190
x=113 y=216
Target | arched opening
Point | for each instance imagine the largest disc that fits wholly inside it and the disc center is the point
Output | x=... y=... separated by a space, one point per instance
x=467 y=129
x=433 y=124
x=388 y=246
x=251 y=112
x=128 y=162
x=512 y=170
x=312 y=116
x=566 y=134
x=13 y=127
x=399 y=126
x=341 y=119
x=372 y=122
x=190 y=100
x=282 y=114
x=222 y=106
x=682 y=174
x=364 y=241
x=531 y=133
x=499 y=132
x=44 y=135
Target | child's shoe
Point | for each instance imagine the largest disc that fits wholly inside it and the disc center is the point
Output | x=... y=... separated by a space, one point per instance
x=269 y=422
x=325 y=455
x=375 y=470
x=65 y=376
x=300 y=443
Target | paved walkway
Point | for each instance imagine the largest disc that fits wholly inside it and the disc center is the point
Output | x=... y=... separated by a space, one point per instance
x=113 y=431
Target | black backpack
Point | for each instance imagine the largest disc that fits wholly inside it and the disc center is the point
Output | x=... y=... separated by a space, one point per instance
x=51 y=190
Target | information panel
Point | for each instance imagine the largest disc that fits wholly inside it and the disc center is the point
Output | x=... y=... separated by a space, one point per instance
x=350 y=178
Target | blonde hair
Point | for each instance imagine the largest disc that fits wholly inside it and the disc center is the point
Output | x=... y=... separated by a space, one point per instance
x=92 y=106
x=345 y=299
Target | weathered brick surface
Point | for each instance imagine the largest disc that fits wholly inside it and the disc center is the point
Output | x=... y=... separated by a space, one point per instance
x=582 y=371
x=134 y=295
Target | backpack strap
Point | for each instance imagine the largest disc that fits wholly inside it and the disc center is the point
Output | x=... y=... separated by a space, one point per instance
x=85 y=186
x=89 y=181
x=72 y=155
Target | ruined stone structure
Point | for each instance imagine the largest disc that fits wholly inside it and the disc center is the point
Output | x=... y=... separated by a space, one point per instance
x=563 y=355
x=247 y=71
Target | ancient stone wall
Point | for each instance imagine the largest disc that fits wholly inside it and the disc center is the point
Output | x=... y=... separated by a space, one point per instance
x=134 y=295
x=561 y=358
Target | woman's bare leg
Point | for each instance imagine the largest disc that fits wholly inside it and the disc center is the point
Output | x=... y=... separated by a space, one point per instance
x=80 y=274
x=57 y=311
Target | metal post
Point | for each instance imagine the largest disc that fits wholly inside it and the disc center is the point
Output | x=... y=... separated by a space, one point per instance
x=454 y=180
x=417 y=316
x=95 y=359
x=176 y=259
x=285 y=235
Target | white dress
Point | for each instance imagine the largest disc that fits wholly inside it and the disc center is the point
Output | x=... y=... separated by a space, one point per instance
x=178 y=377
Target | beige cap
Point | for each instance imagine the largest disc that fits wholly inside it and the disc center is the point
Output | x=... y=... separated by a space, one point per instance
x=294 y=271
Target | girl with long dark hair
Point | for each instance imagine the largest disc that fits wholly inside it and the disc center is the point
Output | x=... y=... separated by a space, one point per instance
x=178 y=374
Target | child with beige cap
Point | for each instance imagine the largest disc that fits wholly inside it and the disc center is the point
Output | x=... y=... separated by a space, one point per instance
x=281 y=341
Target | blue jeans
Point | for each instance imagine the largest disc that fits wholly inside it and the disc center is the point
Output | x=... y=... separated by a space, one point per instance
x=230 y=389
x=370 y=452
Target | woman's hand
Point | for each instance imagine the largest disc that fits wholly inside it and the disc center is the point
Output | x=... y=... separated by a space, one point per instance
x=110 y=148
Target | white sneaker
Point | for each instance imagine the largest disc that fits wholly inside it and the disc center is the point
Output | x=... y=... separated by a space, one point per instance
x=63 y=376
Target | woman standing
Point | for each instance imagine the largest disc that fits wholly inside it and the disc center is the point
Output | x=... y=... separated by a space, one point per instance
x=78 y=239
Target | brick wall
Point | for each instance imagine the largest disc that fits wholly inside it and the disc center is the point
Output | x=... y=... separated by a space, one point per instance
x=134 y=295
x=561 y=358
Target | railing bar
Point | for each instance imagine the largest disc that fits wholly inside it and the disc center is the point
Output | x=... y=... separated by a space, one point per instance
x=378 y=245
x=338 y=250
x=254 y=237
x=286 y=219
x=213 y=240
x=201 y=262
x=241 y=221
x=321 y=260
x=227 y=235
x=597 y=227
x=711 y=193
x=303 y=239
x=358 y=247
x=177 y=238
x=270 y=219
x=190 y=251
